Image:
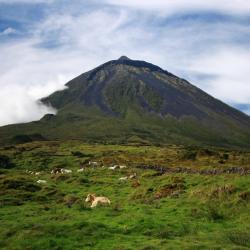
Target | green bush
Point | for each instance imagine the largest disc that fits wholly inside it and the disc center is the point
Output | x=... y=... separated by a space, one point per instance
x=5 y=162
x=240 y=238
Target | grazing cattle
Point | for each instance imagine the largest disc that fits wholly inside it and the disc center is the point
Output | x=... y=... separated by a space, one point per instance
x=97 y=200
x=37 y=173
x=41 y=181
x=66 y=171
x=30 y=172
x=132 y=176
x=80 y=170
x=56 y=171
x=93 y=163
x=123 y=178
x=114 y=167
x=117 y=166
x=122 y=166
x=61 y=171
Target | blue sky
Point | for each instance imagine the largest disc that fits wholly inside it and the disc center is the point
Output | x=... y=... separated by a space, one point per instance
x=45 y=43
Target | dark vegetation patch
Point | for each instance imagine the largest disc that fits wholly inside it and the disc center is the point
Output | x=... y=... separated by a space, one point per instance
x=19 y=184
x=245 y=196
x=239 y=238
x=189 y=155
x=214 y=212
x=17 y=190
x=24 y=138
x=81 y=154
x=5 y=162
x=207 y=152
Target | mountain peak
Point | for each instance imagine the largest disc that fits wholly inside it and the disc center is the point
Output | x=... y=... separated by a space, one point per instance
x=123 y=98
x=124 y=58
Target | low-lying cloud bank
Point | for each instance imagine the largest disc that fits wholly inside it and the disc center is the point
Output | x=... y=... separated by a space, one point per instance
x=209 y=49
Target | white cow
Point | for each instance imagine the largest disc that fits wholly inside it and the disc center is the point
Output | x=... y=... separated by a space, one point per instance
x=132 y=176
x=66 y=171
x=41 y=181
x=93 y=163
x=123 y=178
x=80 y=170
x=114 y=167
x=122 y=166
x=97 y=200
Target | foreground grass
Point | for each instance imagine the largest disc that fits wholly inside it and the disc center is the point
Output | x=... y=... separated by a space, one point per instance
x=170 y=211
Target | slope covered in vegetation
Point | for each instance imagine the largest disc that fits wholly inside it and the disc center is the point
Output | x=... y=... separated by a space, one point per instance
x=181 y=198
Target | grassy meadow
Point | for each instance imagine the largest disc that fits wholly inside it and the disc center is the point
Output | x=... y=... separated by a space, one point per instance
x=155 y=210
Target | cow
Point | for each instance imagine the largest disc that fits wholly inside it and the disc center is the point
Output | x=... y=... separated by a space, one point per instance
x=41 y=181
x=132 y=176
x=57 y=171
x=66 y=171
x=93 y=163
x=123 y=178
x=97 y=200
x=114 y=167
x=61 y=171
x=122 y=166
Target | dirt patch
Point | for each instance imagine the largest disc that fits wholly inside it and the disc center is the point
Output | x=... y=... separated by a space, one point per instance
x=245 y=196
x=223 y=191
x=135 y=184
x=170 y=190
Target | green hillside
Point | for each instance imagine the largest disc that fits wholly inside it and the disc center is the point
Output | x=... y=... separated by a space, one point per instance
x=201 y=202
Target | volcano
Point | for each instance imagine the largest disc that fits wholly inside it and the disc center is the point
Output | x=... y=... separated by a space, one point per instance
x=131 y=101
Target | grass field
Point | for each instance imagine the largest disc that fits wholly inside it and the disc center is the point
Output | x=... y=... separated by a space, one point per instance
x=197 y=210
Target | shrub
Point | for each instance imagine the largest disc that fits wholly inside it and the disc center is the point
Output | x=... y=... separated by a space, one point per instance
x=189 y=155
x=245 y=196
x=20 y=139
x=20 y=184
x=240 y=238
x=83 y=180
x=5 y=162
x=214 y=213
x=80 y=154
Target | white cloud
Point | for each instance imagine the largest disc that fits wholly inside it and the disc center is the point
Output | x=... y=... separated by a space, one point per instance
x=63 y=46
x=247 y=111
x=18 y=106
x=25 y=1
x=230 y=66
x=170 y=6
x=8 y=31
